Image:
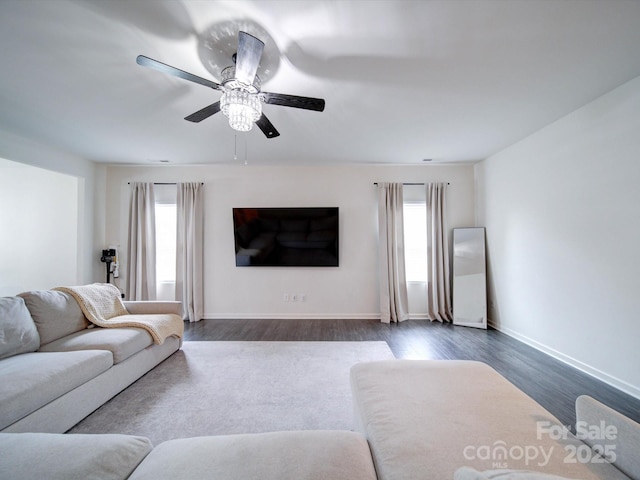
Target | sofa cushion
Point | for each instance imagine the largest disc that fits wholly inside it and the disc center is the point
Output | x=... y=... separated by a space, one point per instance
x=18 y=333
x=57 y=456
x=31 y=380
x=56 y=314
x=121 y=342
x=299 y=455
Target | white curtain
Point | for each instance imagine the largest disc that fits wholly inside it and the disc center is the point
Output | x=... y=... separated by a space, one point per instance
x=189 y=247
x=438 y=283
x=393 y=283
x=141 y=245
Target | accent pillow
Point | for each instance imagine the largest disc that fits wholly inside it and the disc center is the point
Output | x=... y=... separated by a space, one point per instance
x=18 y=333
x=56 y=314
x=467 y=473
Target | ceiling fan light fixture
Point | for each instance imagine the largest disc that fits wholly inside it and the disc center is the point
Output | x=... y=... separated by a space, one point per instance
x=242 y=108
x=242 y=99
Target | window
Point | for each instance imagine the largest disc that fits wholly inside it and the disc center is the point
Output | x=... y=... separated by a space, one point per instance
x=415 y=241
x=165 y=242
x=166 y=223
x=415 y=249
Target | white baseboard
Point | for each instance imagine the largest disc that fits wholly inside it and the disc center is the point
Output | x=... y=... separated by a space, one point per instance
x=292 y=316
x=300 y=316
x=583 y=367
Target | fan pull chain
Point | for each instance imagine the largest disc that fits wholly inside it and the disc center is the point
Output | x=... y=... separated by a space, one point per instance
x=235 y=146
x=245 y=149
x=235 y=149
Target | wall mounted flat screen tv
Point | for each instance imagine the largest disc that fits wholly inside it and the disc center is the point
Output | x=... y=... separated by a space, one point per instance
x=286 y=237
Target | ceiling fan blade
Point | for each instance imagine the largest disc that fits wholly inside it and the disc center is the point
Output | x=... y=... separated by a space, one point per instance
x=176 y=72
x=267 y=127
x=248 y=57
x=206 y=112
x=307 y=103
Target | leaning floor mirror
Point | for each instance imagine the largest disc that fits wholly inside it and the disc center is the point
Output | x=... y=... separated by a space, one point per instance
x=469 y=277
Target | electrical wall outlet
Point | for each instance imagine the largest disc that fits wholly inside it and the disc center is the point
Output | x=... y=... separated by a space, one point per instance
x=294 y=297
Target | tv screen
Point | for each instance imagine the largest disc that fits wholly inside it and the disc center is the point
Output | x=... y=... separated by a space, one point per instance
x=286 y=237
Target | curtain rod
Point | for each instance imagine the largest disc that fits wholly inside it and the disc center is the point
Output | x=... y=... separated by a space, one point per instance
x=376 y=183
x=166 y=183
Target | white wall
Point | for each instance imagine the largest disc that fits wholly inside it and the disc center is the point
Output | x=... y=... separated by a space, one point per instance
x=563 y=230
x=348 y=291
x=39 y=228
x=90 y=201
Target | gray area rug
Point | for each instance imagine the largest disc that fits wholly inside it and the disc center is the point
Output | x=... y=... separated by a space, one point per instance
x=219 y=388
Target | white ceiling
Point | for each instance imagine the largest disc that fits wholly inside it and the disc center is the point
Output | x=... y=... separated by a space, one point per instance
x=405 y=80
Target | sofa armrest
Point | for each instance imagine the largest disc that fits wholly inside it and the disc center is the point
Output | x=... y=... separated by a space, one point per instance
x=139 y=307
x=66 y=456
x=619 y=434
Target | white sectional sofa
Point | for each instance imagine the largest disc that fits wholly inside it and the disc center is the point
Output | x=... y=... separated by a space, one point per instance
x=417 y=420
x=412 y=429
x=54 y=370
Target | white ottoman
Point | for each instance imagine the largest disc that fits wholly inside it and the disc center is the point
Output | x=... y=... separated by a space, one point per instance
x=424 y=419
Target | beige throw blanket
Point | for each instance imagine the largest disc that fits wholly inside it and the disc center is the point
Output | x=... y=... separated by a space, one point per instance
x=102 y=305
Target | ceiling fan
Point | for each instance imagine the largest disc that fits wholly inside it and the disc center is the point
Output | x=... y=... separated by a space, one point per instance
x=242 y=98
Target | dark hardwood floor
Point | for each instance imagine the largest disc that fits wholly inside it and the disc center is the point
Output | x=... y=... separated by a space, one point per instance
x=550 y=382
